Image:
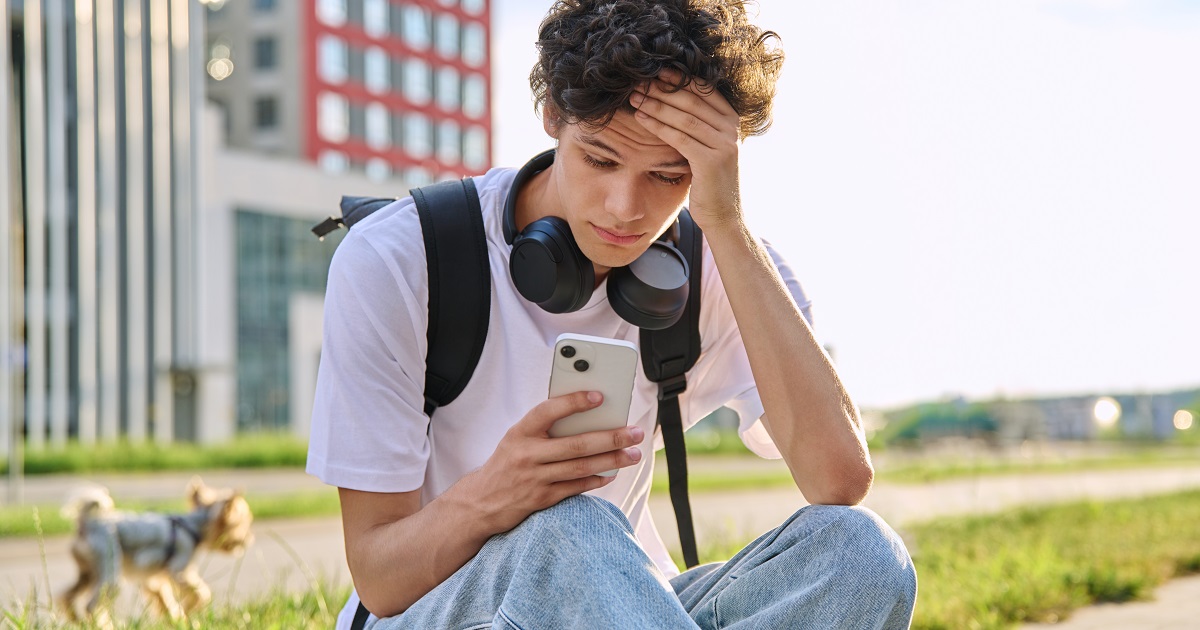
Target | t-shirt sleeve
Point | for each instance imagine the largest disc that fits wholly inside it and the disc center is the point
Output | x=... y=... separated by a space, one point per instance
x=368 y=425
x=722 y=375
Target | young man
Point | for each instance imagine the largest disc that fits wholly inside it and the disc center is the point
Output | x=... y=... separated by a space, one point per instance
x=478 y=518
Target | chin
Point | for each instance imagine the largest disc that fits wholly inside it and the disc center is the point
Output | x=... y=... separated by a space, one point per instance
x=606 y=255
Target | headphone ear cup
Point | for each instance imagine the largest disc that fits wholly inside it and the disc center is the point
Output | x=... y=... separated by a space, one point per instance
x=549 y=269
x=652 y=291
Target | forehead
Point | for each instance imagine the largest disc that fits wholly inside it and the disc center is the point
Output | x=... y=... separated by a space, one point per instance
x=629 y=141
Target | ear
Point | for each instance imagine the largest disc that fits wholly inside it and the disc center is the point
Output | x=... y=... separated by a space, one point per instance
x=198 y=493
x=551 y=121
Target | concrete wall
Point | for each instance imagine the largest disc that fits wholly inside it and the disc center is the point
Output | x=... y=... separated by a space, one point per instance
x=287 y=187
x=238 y=25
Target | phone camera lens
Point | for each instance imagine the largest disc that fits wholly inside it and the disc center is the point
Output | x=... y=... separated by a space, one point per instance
x=581 y=365
x=567 y=351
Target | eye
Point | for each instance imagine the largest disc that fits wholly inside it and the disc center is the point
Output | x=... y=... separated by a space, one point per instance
x=670 y=181
x=597 y=162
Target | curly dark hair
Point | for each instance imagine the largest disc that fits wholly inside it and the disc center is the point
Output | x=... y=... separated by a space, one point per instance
x=593 y=53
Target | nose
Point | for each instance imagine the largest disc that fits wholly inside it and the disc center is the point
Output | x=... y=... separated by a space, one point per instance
x=625 y=203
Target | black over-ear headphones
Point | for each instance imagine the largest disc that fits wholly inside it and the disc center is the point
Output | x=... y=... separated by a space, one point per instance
x=549 y=269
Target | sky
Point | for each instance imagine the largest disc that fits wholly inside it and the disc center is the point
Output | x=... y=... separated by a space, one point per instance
x=982 y=198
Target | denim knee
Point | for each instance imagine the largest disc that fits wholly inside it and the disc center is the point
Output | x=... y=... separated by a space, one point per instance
x=867 y=548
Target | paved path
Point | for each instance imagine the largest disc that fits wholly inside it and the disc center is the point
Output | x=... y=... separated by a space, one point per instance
x=296 y=552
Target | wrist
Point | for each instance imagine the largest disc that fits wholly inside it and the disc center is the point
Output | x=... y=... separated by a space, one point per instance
x=725 y=231
x=475 y=507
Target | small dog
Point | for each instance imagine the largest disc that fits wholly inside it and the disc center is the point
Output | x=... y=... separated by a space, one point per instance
x=159 y=551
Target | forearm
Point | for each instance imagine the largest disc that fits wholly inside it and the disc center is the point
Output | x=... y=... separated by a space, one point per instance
x=808 y=413
x=395 y=564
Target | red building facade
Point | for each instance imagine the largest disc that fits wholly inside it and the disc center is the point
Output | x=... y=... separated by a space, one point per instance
x=398 y=87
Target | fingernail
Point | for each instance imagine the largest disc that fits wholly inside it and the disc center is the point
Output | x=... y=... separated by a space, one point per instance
x=637 y=99
x=636 y=433
x=594 y=397
x=634 y=454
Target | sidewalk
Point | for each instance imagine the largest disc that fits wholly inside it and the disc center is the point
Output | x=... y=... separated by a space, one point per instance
x=292 y=553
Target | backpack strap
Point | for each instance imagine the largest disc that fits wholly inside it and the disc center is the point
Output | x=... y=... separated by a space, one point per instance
x=667 y=355
x=460 y=286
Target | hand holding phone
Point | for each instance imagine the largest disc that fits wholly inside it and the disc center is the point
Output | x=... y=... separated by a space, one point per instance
x=586 y=363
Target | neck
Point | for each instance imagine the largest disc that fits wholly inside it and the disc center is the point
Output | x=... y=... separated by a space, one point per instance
x=536 y=199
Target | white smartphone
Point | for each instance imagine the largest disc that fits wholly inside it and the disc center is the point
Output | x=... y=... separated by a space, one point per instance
x=585 y=363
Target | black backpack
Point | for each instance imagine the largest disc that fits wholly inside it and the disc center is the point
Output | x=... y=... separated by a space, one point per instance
x=459 y=303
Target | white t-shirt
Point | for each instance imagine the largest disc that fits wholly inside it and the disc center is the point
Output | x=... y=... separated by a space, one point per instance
x=369 y=431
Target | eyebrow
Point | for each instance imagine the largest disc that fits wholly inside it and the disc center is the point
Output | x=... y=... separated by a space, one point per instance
x=596 y=142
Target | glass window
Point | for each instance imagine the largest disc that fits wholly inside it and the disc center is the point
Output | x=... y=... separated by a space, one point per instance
x=379 y=126
x=333 y=117
x=447 y=88
x=333 y=161
x=418 y=138
x=449 y=142
x=417 y=26
x=277 y=258
x=418 y=176
x=375 y=17
x=332 y=12
x=447 y=36
x=264 y=53
x=473 y=7
x=474 y=45
x=475 y=148
x=266 y=112
x=377 y=70
x=417 y=81
x=263 y=6
x=378 y=169
x=332 y=62
x=474 y=96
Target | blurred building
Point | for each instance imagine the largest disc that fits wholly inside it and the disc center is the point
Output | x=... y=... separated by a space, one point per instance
x=318 y=99
x=158 y=279
x=378 y=86
x=100 y=264
x=1084 y=417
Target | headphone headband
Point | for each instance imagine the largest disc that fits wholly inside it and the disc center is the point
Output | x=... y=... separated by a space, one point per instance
x=539 y=163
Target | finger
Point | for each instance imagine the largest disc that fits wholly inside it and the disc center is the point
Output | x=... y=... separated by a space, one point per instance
x=593 y=465
x=590 y=443
x=539 y=419
x=683 y=121
x=683 y=111
x=573 y=487
x=703 y=90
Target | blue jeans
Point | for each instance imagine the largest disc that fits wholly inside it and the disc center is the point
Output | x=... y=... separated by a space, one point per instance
x=578 y=565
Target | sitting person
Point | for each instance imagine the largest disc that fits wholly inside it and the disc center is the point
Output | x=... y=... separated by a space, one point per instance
x=477 y=517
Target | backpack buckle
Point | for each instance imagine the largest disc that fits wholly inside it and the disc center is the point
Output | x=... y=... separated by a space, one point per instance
x=323 y=228
x=672 y=387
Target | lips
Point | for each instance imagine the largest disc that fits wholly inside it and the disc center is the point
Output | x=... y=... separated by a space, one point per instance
x=615 y=238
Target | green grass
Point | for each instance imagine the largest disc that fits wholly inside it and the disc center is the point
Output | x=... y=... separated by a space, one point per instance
x=20 y=521
x=315 y=609
x=928 y=469
x=251 y=451
x=1039 y=564
x=989 y=572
